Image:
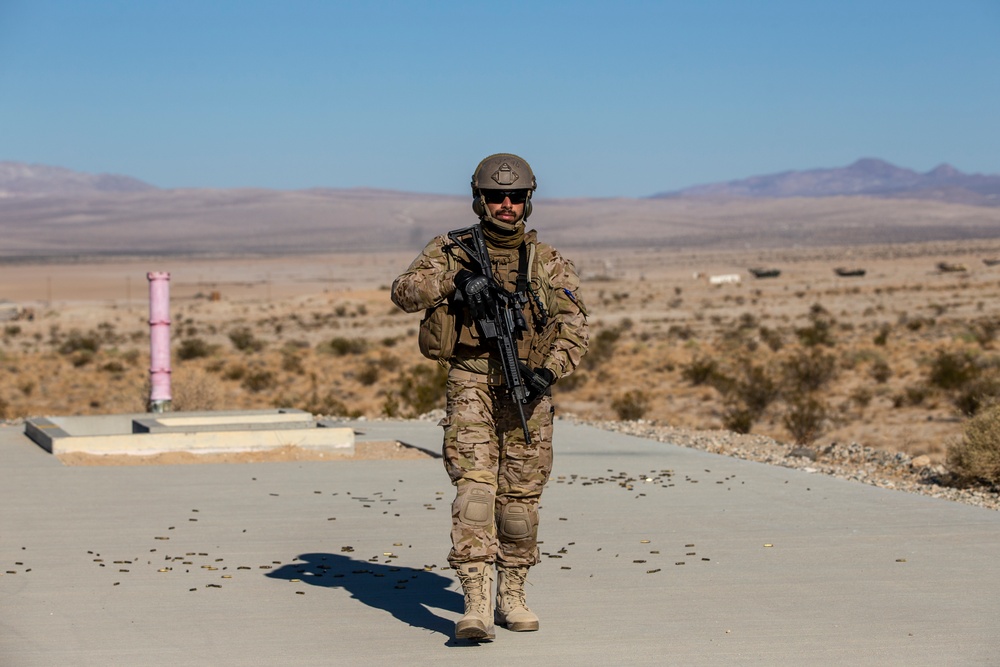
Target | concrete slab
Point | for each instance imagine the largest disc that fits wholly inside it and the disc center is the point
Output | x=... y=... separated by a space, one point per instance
x=652 y=554
x=201 y=422
x=194 y=432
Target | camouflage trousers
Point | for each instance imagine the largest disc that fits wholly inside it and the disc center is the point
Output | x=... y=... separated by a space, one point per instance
x=498 y=479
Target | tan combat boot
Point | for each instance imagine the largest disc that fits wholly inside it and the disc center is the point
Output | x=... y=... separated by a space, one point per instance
x=477 y=582
x=512 y=611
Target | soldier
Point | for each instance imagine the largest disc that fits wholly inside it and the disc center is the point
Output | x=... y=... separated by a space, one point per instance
x=497 y=474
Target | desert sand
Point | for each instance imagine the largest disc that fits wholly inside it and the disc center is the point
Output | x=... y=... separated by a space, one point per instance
x=319 y=332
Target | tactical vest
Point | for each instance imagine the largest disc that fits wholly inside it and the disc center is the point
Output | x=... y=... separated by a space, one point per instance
x=447 y=327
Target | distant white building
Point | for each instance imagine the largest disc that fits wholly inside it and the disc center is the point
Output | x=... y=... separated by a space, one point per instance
x=725 y=279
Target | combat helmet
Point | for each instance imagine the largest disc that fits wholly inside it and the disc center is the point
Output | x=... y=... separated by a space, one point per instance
x=502 y=171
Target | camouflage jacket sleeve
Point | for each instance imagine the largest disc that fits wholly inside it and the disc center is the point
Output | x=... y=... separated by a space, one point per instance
x=429 y=280
x=567 y=330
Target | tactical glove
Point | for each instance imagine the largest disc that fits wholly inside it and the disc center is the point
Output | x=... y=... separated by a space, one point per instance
x=538 y=382
x=474 y=290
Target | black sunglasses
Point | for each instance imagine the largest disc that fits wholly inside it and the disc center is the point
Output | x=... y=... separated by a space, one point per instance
x=497 y=196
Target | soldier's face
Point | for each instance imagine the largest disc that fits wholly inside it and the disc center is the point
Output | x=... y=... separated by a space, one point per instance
x=505 y=210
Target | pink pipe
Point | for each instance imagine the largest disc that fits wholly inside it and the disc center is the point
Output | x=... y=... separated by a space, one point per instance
x=159 y=341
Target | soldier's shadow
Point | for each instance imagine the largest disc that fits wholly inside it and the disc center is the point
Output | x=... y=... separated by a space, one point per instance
x=404 y=592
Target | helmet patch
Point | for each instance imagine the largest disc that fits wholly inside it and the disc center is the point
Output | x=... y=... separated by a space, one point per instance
x=505 y=176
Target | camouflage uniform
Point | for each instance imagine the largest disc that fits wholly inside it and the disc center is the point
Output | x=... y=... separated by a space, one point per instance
x=498 y=478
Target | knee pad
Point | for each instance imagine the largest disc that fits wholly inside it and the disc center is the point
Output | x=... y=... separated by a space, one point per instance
x=476 y=506
x=517 y=521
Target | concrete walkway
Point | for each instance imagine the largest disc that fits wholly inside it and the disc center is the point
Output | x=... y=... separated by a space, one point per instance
x=654 y=554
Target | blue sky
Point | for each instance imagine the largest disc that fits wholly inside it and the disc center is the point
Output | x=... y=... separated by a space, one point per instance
x=603 y=99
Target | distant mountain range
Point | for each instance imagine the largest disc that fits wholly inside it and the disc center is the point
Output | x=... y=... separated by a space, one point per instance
x=17 y=178
x=50 y=212
x=866 y=177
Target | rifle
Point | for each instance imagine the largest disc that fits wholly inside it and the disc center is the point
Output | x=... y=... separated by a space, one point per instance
x=503 y=320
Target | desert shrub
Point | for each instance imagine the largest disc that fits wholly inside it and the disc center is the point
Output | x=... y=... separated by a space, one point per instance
x=820 y=332
x=602 y=347
x=388 y=362
x=291 y=362
x=951 y=370
x=390 y=406
x=11 y=330
x=244 y=340
x=572 y=381
x=915 y=394
x=737 y=419
x=862 y=396
x=193 y=348
x=984 y=331
x=701 y=370
x=804 y=418
x=880 y=371
x=324 y=404
x=258 y=380
x=977 y=393
x=341 y=347
x=107 y=334
x=681 y=332
x=234 y=372
x=747 y=321
x=423 y=388
x=976 y=456
x=631 y=405
x=882 y=337
x=771 y=338
x=918 y=323
x=4 y=409
x=368 y=375
x=113 y=366
x=807 y=371
x=746 y=394
x=390 y=341
x=736 y=336
x=78 y=342
x=193 y=391
x=820 y=329
x=81 y=358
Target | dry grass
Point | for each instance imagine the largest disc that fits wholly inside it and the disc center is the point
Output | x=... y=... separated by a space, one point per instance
x=879 y=358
